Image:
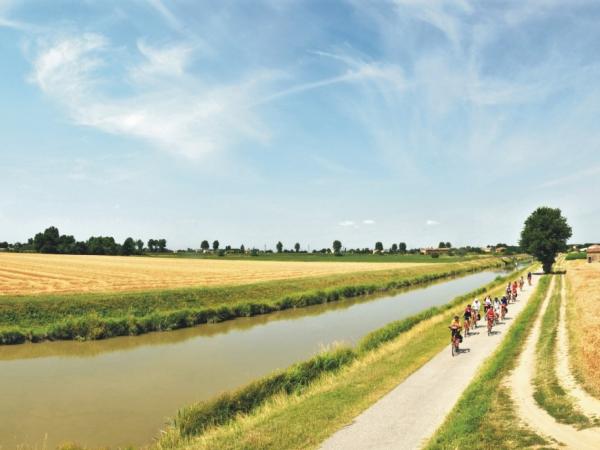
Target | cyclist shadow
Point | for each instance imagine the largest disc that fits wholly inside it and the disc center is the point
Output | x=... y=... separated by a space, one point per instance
x=473 y=333
x=463 y=350
x=494 y=332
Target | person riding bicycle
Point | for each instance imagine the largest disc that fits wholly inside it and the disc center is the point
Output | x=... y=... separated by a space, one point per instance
x=476 y=307
x=467 y=315
x=455 y=329
x=487 y=304
x=504 y=305
x=490 y=315
x=497 y=305
x=529 y=276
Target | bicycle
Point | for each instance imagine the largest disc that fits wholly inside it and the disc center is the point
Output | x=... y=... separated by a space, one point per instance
x=455 y=342
x=490 y=324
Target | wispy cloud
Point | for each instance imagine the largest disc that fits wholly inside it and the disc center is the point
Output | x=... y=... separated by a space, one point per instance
x=347 y=223
x=368 y=222
x=431 y=222
x=168 y=108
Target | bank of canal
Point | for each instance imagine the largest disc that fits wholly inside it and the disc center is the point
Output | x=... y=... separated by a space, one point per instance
x=121 y=391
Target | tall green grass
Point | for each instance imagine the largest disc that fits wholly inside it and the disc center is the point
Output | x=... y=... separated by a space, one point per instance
x=482 y=418
x=86 y=317
x=548 y=392
x=195 y=419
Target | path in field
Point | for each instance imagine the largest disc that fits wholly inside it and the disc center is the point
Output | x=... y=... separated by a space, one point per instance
x=407 y=416
x=529 y=411
x=589 y=405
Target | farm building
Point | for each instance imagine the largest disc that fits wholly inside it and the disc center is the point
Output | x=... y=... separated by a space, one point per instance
x=593 y=253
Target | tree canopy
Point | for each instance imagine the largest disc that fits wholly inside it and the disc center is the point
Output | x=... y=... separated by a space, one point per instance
x=545 y=234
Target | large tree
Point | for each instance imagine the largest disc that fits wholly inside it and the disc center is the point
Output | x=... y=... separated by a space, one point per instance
x=215 y=245
x=379 y=246
x=402 y=247
x=337 y=247
x=128 y=247
x=204 y=245
x=279 y=247
x=297 y=247
x=545 y=234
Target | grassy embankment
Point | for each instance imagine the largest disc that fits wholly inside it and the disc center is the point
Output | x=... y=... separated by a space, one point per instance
x=301 y=406
x=99 y=316
x=324 y=257
x=549 y=394
x=583 y=323
x=484 y=416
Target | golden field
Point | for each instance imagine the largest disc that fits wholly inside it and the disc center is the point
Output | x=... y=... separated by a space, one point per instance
x=583 y=312
x=22 y=274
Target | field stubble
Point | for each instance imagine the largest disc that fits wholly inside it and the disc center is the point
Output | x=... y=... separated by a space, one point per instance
x=26 y=274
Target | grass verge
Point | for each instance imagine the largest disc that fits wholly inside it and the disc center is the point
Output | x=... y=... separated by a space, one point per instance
x=484 y=417
x=315 y=410
x=548 y=393
x=96 y=316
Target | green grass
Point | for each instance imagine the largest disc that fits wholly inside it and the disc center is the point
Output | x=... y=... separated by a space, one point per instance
x=576 y=255
x=484 y=417
x=303 y=417
x=549 y=394
x=324 y=257
x=99 y=316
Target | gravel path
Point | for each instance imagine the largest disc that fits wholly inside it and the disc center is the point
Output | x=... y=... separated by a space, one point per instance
x=407 y=416
x=530 y=412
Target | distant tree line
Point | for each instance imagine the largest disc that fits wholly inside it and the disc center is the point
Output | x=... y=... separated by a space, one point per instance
x=51 y=241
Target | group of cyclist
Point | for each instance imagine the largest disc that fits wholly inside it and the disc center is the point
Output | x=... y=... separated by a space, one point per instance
x=493 y=311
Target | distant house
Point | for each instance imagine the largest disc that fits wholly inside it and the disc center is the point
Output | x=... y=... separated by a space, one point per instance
x=593 y=253
x=500 y=249
x=434 y=251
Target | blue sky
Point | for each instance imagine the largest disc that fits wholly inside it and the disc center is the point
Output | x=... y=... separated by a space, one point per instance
x=257 y=121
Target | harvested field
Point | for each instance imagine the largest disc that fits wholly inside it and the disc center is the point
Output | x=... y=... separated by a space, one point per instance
x=583 y=313
x=24 y=274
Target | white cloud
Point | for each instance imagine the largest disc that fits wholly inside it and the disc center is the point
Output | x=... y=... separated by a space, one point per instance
x=167 y=107
x=369 y=222
x=347 y=223
x=431 y=222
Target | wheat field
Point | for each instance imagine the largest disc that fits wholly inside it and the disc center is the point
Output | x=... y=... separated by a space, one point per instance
x=584 y=321
x=23 y=274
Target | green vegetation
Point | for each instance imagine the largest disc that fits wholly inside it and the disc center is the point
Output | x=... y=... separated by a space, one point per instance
x=344 y=382
x=576 y=255
x=325 y=257
x=100 y=316
x=548 y=392
x=483 y=417
x=544 y=235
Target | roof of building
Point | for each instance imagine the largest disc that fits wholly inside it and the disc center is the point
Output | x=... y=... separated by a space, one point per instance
x=593 y=249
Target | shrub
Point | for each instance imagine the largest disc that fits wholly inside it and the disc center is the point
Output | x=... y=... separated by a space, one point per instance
x=576 y=255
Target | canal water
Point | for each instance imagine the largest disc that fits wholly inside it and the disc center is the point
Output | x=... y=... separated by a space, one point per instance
x=122 y=391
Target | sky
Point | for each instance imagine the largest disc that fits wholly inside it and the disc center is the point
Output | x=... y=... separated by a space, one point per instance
x=301 y=121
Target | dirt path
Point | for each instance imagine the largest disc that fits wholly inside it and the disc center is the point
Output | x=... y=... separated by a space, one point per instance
x=407 y=416
x=590 y=406
x=527 y=408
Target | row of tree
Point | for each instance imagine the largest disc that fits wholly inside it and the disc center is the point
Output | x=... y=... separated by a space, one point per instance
x=51 y=241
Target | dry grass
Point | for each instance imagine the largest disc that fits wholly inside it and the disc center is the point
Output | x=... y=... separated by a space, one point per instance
x=24 y=274
x=583 y=313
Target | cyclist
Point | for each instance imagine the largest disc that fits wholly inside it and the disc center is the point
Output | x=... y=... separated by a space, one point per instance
x=521 y=283
x=476 y=307
x=490 y=319
x=487 y=304
x=529 y=278
x=508 y=289
x=503 y=307
x=467 y=315
x=455 y=329
x=496 y=309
